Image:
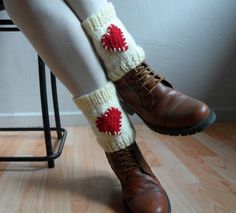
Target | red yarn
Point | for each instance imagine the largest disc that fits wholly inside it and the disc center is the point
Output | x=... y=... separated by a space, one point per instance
x=110 y=121
x=114 y=39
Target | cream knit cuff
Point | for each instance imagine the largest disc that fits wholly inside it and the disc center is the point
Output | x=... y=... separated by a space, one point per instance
x=113 y=43
x=107 y=119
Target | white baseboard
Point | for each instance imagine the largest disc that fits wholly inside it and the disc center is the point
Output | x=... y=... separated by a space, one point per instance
x=225 y=114
x=34 y=119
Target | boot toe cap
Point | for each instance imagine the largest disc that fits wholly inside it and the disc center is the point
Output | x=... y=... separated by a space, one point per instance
x=197 y=112
x=200 y=111
x=190 y=113
x=154 y=202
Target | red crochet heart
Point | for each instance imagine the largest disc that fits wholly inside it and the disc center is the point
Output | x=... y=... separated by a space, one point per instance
x=110 y=121
x=114 y=39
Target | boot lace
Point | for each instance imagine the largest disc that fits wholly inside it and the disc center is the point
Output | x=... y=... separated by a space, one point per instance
x=146 y=75
x=128 y=159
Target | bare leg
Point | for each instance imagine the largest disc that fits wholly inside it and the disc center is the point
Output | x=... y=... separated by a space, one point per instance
x=57 y=35
x=85 y=8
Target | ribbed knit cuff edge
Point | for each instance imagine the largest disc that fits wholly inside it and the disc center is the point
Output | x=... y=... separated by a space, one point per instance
x=109 y=148
x=99 y=19
x=127 y=65
x=97 y=97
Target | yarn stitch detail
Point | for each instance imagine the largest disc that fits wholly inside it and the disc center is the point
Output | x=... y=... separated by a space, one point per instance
x=110 y=121
x=114 y=39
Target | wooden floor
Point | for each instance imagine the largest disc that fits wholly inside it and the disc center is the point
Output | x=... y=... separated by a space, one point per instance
x=198 y=172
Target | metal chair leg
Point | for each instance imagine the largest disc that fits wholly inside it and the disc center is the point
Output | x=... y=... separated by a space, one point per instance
x=45 y=114
x=55 y=105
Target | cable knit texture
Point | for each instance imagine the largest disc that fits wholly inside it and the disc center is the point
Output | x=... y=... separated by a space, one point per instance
x=107 y=119
x=113 y=43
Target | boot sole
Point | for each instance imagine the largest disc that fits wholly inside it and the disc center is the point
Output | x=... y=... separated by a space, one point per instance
x=203 y=124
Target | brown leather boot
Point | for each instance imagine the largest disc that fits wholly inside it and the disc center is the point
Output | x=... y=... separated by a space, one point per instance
x=142 y=191
x=162 y=108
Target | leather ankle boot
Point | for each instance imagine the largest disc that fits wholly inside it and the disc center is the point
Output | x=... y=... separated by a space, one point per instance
x=163 y=109
x=142 y=191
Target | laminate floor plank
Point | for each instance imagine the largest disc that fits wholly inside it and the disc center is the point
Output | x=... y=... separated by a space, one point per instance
x=198 y=172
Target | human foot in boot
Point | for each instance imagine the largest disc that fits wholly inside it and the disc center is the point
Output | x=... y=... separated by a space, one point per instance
x=142 y=191
x=162 y=108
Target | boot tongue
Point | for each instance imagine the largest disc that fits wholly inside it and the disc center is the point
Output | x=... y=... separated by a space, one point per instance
x=150 y=74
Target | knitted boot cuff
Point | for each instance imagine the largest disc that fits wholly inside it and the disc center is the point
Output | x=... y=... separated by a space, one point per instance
x=117 y=63
x=95 y=98
x=100 y=19
x=100 y=107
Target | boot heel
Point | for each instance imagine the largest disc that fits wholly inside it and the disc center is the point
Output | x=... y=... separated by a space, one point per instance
x=127 y=108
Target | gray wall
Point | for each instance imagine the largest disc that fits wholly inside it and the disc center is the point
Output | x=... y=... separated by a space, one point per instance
x=191 y=42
